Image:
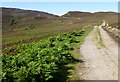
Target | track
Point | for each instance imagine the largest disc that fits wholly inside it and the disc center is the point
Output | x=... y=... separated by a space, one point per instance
x=100 y=53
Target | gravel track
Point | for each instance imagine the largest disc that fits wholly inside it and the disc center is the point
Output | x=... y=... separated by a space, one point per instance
x=101 y=62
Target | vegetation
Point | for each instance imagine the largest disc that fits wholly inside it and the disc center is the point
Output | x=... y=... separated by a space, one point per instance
x=39 y=61
x=99 y=39
x=12 y=22
x=30 y=26
x=50 y=59
x=47 y=24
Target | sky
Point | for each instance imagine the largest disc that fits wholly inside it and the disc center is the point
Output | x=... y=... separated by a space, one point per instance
x=60 y=8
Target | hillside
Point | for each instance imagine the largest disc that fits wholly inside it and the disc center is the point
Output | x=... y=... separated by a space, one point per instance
x=21 y=25
x=77 y=14
x=23 y=15
x=111 y=17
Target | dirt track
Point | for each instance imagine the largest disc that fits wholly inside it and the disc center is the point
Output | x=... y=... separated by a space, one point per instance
x=100 y=53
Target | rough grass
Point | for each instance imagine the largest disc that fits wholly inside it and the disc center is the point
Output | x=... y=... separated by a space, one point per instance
x=42 y=28
x=98 y=38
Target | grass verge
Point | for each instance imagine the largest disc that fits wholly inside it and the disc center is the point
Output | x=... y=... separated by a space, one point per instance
x=99 y=39
x=76 y=54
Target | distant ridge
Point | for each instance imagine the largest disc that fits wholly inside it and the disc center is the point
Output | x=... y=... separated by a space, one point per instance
x=29 y=13
x=24 y=16
x=79 y=14
x=35 y=13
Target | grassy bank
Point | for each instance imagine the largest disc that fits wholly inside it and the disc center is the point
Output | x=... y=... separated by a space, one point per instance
x=76 y=54
x=98 y=38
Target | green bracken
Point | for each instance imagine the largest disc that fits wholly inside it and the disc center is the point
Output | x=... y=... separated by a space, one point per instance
x=39 y=61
